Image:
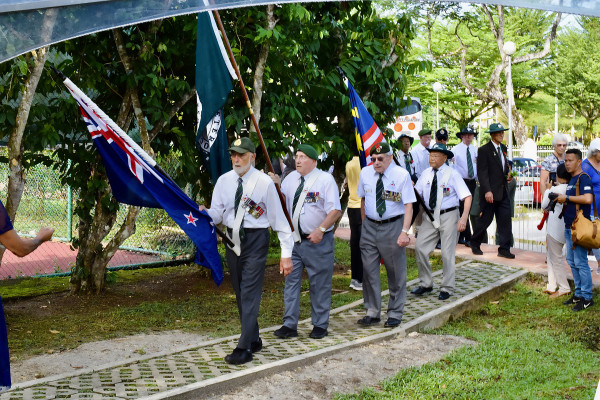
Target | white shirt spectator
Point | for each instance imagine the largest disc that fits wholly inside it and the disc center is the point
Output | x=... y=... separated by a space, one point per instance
x=555 y=227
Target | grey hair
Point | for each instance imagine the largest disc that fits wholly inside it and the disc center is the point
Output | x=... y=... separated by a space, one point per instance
x=592 y=152
x=559 y=137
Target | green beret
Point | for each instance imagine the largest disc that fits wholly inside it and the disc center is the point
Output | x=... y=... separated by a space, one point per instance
x=380 y=148
x=424 y=132
x=309 y=151
x=243 y=145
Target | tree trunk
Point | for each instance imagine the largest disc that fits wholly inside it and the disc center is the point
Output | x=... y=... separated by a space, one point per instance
x=259 y=69
x=16 y=173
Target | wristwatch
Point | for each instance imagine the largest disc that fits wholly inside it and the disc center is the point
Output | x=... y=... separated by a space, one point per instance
x=567 y=197
x=323 y=230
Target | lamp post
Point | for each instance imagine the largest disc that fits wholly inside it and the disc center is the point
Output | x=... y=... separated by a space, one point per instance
x=509 y=48
x=437 y=88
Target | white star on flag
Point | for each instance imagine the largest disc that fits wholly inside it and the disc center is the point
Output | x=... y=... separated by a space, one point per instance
x=191 y=219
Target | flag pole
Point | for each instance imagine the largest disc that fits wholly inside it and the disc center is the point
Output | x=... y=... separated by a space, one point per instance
x=249 y=105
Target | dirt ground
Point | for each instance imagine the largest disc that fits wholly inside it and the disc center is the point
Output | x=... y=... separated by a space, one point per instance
x=344 y=372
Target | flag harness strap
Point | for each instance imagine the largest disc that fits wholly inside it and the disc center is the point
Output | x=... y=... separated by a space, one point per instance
x=440 y=195
x=239 y=217
x=296 y=216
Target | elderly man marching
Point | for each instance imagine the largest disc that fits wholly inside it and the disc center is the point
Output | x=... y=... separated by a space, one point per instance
x=441 y=188
x=312 y=199
x=387 y=196
x=246 y=201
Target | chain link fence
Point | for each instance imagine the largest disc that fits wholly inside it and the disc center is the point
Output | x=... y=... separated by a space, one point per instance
x=46 y=202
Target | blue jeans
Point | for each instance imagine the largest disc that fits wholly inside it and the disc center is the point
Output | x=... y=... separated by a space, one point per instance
x=582 y=275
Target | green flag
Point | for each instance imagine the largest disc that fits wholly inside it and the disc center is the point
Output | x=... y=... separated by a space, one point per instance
x=213 y=84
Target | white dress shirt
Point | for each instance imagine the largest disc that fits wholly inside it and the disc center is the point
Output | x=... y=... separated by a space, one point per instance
x=396 y=181
x=421 y=159
x=455 y=190
x=322 y=198
x=264 y=195
x=401 y=156
x=460 y=160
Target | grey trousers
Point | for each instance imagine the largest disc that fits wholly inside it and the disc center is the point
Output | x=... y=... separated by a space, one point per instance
x=379 y=241
x=318 y=261
x=247 y=277
x=426 y=241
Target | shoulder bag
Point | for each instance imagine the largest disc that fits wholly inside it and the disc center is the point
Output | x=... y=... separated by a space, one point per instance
x=584 y=232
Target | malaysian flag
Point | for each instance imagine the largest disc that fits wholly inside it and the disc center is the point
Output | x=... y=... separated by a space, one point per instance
x=135 y=181
x=367 y=132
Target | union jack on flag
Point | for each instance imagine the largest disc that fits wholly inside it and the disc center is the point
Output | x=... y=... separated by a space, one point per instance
x=367 y=132
x=135 y=181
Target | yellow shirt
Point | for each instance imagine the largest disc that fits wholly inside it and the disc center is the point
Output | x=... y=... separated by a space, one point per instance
x=352 y=175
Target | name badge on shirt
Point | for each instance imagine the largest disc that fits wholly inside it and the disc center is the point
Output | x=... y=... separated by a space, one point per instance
x=253 y=209
x=312 y=197
x=391 y=196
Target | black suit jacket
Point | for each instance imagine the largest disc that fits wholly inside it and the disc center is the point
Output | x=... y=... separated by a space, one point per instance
x=490 y=172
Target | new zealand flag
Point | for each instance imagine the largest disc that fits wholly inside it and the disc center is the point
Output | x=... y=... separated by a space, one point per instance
x=134 y=181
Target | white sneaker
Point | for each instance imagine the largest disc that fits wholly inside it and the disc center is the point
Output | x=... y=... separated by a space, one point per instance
x=356 y=285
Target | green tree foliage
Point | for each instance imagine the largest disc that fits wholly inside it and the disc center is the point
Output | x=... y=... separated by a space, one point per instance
x=572 y=74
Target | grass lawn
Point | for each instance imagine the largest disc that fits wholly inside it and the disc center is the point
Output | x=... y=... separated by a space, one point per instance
x=529 y=347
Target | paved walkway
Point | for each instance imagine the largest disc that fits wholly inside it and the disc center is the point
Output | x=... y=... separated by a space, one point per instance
x=188 y=373
x=529 y=260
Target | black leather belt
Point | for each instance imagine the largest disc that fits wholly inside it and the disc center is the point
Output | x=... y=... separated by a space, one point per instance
x=385 y=221
x=446 y=210
x=304 y=237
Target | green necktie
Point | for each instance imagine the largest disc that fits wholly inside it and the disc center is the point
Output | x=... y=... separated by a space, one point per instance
x=470 y=164
x=238 y=198
x=407 y=162
x=296 y=197
x=433 y=192
x=379 y=201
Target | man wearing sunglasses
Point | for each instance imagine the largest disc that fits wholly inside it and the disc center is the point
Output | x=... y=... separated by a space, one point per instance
x=387 y=194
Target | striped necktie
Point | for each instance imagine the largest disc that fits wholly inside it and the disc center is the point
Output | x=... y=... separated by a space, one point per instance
x=470 y=164
x=238 y=198
x=296 y=197
x=433 y=192
x=379 y=201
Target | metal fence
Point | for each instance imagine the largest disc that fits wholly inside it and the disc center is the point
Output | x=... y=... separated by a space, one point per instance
x=46 y=202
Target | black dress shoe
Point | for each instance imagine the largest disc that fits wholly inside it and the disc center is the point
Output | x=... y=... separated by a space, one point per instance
x=444 y=295
x=285 y=333
x=468 y=244
x=462 y=240
x=366 y=321
x=239 y=356
x=392 y=322
x=256 y=346
x=505 y=253
x=421 y=290
x=318 y=333
x=476 y=250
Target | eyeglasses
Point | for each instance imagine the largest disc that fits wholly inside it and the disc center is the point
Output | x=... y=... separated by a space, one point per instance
x=561 y=145
x=378 y=159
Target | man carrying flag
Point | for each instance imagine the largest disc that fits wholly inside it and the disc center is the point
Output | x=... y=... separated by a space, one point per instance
x=246 y=201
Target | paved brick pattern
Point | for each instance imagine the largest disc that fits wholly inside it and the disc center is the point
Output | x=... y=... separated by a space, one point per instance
x=154 y=375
